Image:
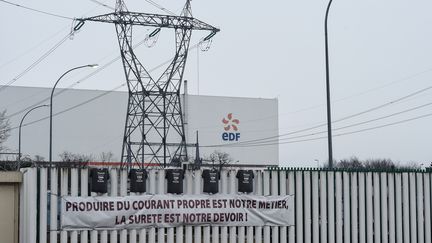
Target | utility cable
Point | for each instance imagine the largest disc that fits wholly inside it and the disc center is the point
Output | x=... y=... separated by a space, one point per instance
x=336 y=129
x=30 y=49
x=341 y=119
x=34 y=64
x=103 y=4
x=36 y=10
x=160 y=7
x=91 y=74
x=336 y=135
x=86 y=101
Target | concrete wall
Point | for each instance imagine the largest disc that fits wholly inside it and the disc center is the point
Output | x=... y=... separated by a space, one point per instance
x=9 y=205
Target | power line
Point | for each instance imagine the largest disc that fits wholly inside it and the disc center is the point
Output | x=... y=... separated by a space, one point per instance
x=36 y=10
x=336 y=135
x=34 y=64
x=160 y=7
x=91 y=99
x=340 y=128
x=30 y=49
x=341 y=119
x=102 y=4
x=338 y=100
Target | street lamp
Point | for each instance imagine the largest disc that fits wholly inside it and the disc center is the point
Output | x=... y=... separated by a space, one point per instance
x=19 y=133
x=51 y=101
x=329 y=128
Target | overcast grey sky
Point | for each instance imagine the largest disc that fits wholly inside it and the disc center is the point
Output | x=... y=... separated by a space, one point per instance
x=380 y=51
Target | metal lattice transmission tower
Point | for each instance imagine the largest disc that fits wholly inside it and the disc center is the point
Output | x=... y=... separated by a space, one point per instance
x=154 y=130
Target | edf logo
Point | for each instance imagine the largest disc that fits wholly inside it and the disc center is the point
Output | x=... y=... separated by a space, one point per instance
x=230 y=124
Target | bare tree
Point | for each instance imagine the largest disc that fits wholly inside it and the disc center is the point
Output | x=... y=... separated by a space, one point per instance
x=39 y=158
x=71 y=157
x=4 y=129
x=106 y=156
x=378 y=164
x=352 y=162
x=220 y=157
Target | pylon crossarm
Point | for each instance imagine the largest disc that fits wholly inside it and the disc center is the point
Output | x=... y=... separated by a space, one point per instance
x=152 y=20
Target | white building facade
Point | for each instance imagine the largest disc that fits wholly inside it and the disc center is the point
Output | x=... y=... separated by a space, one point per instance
x=91 y=122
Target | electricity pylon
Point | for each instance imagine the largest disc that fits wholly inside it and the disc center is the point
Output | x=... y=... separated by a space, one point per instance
x=154 y=130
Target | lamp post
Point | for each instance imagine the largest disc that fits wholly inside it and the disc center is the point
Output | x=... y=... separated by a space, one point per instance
x=51 y=101
x=329 y=127
x=19 y=133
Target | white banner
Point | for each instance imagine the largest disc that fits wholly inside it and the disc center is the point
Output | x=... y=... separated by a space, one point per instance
x=174 y=210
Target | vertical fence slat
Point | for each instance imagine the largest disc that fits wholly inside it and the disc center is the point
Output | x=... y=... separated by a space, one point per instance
x=53 y=205
x=346 y=207
x=206 y=234
x=331 y=206
x=406 y=212
x=354 y=208
x=420 y=209
x=323 y=207
x=266 y=192
x=142 y=236
x=241 y=234
x=215 y=233
x=152 y=190
x=84 y=193
x=43 y=205
x=123 y=192
x=189 y=190
x=198 y=190
x=383 y=210
x=132 y=236
x=179 y=234
x=169 y=231
x=376 y=207
x=315 y=207
x=274 y=191
x=103 y=236
x=224 y=190
x=74 y=193
x=250 y=229
x=282 y=192
x=161 y=190
x=114 y=193
x=398 y=205
x=307 y=220
x=258 y=191
x=104 y=233
x=369 y=208
x=391 y=208
x=339 y=207
x=232 y=190
x=179 y=230
x=362 y=207
x=427 y=209
x=63 y=192
x=413 y=206
x=299 y=206
x=291 y=191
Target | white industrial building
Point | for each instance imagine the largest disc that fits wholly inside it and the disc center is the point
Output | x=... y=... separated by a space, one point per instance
x=92 y=121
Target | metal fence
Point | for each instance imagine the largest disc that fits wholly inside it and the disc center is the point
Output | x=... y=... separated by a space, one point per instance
x=330 y=206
